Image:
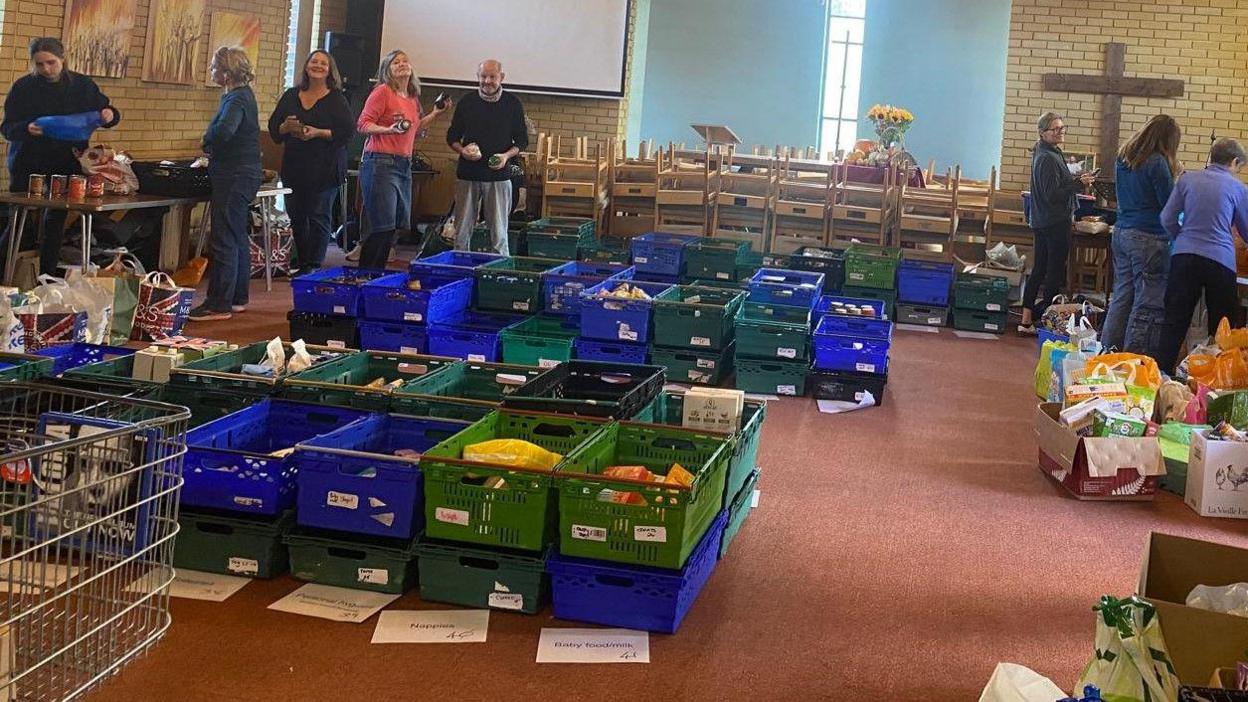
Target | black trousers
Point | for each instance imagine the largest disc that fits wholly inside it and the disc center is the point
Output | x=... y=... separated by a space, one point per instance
x=1052 y=246
x=1192 y=276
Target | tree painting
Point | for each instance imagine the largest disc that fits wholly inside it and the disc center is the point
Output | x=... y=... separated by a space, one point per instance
x=97 y=36
x=234 y=29
x=175 y=31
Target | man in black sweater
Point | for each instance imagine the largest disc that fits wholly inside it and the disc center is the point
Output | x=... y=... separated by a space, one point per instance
x=487 y=131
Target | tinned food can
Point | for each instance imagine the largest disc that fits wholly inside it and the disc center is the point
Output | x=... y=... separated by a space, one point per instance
x=95 y=185
x=77 y=187
x=60 y=184
x=35 y=184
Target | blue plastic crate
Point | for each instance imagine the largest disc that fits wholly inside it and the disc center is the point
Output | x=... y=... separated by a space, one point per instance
x=1043 y=335
x=473 y=336
x=849 y=353
x=455 y=264
x=782 y=287
x=633 y=597
x=661 y=253
x=924 y=282
x=69 y=356
x=389 y=298
x=613 y=351
x=618 y=318
x=863 y=327
x=332 y=290
x=828 y=303
x=229 y=462
x=562 y=286
x=668 y=280
x=351 y=480
x=399 y=337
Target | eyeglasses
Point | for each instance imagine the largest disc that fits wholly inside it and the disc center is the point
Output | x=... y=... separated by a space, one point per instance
x=1059 y=130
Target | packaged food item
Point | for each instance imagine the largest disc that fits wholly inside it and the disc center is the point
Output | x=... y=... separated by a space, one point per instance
x=1108 y=424
x=1225 y=432
x=35 y=184
x=413 y=284
x=60 y=184
x=77 y=187
x=678 y=475
x=1079 y=416
x=407 y=453
x=1114 y=392
x=515 y=453
x=620 y=497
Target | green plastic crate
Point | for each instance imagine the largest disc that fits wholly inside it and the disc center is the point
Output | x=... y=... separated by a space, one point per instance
x=746 y=437
x=564 y=246
x=217 y=542
x=521 y=515
x=693 y=365
x=463 y=391
x=722 y=284
x=114 y=372
x=344 y=381
x=663 y=531
x=373 y=563
x=482 y=578
x=512 y=284
x=607 y=251
x=888 y=297
x=868 y=266
x=566 y=225
x=771 y=377
x=222 y=371
x=696 y=317
x=544 y=341
x=981 y=292
x=763 y=339
x=739 y=509
x=714 y=259
x=767 y=312
x=979 y=321
x=21 y=366
x=205 y=404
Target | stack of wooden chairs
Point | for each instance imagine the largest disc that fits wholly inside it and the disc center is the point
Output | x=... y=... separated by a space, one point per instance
x=864 y=212
x=575 y=183
x=634 y=185
x=687 y=191
x=927 y=218
x=746 y=200
x=803 y=206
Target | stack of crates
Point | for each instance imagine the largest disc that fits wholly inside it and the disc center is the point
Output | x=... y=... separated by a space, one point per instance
x=773 y=354
x=615 y=327
x=871 y=272
x=659 y=257
x=714 y=261
x=398 y=308
x=980 y=303
x=829 y=262
x=327 y=304
x=923 y=292
x=695 y=332
x=564 y=238
x=851 y=349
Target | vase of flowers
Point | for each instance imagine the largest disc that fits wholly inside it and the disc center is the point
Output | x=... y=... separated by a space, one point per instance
x=891 y=124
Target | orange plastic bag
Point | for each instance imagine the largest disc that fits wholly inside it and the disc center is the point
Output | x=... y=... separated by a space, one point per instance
x=1232 y=371
x=189 y=275
x=1203 y=368
x=1228 y=338
x=1143 y=370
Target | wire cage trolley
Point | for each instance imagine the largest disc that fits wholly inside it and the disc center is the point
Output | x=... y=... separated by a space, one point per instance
x=88 y=514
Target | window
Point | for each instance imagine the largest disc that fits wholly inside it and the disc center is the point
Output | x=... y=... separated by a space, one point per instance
x=292 y=42
x=842 y=78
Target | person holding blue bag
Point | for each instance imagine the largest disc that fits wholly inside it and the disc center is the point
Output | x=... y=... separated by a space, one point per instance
x=47 y=115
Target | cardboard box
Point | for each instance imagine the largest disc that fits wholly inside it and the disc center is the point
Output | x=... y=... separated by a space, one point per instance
x=1217 y=478
x=1091 y=468
x=713 y=409
x=1224 y=679
x=1199 y=641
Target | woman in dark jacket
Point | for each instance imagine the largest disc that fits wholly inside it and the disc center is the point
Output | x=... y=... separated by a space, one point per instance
x=313 y=121
x=50 y=89
x=232 y=143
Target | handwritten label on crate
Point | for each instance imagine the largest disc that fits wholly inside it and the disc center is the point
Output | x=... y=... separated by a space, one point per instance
x=520 y=306
x=451 y=516
x=432 y=626
x=626 y=333
x=412 y=316
x=992 y=307
x=856 y=276
x=408 y=349
x=786 y=353
x=699 y=377
x=546 y=363
x=699 y=341
x=476 y=357
x=373 y=576
x=506 y=600
x=340 y=309
x=593 y=646
x=656 y=534
x=722 y=275
x=335 y=344
x=588 y=533
x=640 y=259
x=243 y=566
x=613 y=306
x=864 y=367
x=935 y=320
x=706 y=363
x=248 y=501
x=786 y=389
x=343 y=500
x=991 y=326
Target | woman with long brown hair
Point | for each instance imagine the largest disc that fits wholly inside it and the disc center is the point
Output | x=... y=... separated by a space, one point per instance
x=1145 y=172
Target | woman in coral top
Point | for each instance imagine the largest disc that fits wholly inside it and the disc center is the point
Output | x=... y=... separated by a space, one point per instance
x=392 y=119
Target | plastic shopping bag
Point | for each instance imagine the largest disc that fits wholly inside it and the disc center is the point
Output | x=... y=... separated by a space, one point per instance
x=95 y=297
x=12 y=333
x=1228 y=338
x=1138 y=373
x=512 y=452
x=1011 y=682
x=126 y=274
x=1197 y=410
x=1044 y=367
x=1131 y=663
x=161 y=309
x=1231 y=370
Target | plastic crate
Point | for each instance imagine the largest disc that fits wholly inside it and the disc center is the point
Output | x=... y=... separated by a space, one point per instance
x=464 y=391
x=590 y=388
x=781 y=287
x=69 y=356
x=714 y=259
x=611 y=351
x=567 y=225
x=541 y=341
x=350 y=479
x=565 y=246
x=924 y=282
x=855 y=326
x=612 y=318
x=829 y=262
x=688 y=316
x=21 y=366
x=837 y=304
x=108 y=374
x=767 y=312
x=334 y=331
x=452 y=264
x=219 y=542
x=771 y=377
x=846 y=386
x=360 y=563
x=981 y=292
x=666 y=522
x=738 y=509
x=924 y=315
x=835 y=351
x=562 y=286
x=230 y=462
x=759 y=339
x=172 y=179
x=482 y=578
x=633 y=597
x=607 y=251
x=746 y=437
x=390 y=299
x=661 y=253
x=473 y=336
x=205 y=404
x=694 y=366
x=868 y=266
x=521 y=514
x=887 y=298
x=512 y=284
x=395 y=337
x=979 y=321
x=332 y=290
x=224 y=370
x=345 y=381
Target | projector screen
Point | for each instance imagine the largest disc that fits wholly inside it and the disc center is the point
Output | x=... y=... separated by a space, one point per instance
x=563 y=47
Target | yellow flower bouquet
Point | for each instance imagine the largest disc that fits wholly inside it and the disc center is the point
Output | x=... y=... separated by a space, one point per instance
x=891 y=123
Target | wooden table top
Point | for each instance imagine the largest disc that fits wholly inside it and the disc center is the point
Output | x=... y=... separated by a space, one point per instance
x=114 y=203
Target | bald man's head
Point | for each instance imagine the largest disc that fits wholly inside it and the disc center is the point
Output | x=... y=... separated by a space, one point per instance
x=490 y=76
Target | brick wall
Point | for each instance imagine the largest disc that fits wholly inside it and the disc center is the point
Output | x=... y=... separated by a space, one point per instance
x=1202 y=42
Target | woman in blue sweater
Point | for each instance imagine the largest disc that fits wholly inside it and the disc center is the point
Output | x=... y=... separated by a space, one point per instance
x=1144 y=177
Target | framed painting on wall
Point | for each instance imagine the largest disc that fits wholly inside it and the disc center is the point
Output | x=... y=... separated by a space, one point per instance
x=235 y=29
x=175 y=33
x=97 y=36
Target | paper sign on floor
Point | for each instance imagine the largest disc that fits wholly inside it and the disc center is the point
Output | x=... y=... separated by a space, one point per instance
x=917 y=328
x=976 y=335
x=337 y=603
x=841 y=406
x=210 y=587
x=593 y=646
x=432 y=626
x=29 y=577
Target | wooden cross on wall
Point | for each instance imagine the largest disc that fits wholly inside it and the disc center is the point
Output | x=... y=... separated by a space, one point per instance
x=1112 y=86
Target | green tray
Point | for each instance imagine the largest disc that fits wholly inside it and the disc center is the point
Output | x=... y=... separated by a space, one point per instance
x=696 y=317
x=888 y=297
x=981 y=292
x=767 y=312
x=217 y=542
x=715 y=259
x=372 y=563
x=868 y=266
x=663 y=531
x=607 y=251
x=739 y=509
x=564 y=246
x=979 y=321
x=771 y=377
x=482 y=578
x=565 y=225
x=463 y=391
x=25 y=366
x=760 y=339
x=745 y=439
x=112 y=372
x=924 y=315
x=512 y=284
x=205 y=404
x=222 y=371
x=693 y=365
x=342 y=382
x=522 y=515
x=544 y=341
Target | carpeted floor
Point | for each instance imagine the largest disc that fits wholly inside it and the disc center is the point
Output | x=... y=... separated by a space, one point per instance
x=897 y=553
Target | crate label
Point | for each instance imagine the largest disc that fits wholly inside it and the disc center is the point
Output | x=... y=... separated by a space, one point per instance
x=374 y=576
x=754 y=498
x=506 y=600
x=656 y=534
x=722 y=275
x=342 y=499
x=451 y=516
x=856 y=276
x=587 y=533
x=248 y=501
x=340 y=309
x=697 y=377
x=992 y=307
x=640 y=259
x=522 y=306
x=246 y=566
x=408 y=349
x=859 y=395
x=546 y=363
x=706 y=363
x=413 y=317
x=476 y=358
x=786 y=353
x=336 y=344
x=935 y=320
x=626 y=333
x=613 y=306
x=864 y=367
x=786 y=389
x=699 y=341
x=991 y=327
x=511 y=379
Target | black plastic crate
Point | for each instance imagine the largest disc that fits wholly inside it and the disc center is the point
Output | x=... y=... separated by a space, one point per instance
x=176 y=179
x=334 y=331
x=846 y=386
x=591 y=388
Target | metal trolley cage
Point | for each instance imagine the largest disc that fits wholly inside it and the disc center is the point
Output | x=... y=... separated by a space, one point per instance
x=88 y=515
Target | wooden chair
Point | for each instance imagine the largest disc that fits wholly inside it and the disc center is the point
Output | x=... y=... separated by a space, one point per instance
x=1007 y=222
x=864 y=212
x=747 y=194
x=973 y=214
x=575 y=185
x=928 y=219
x=634 y=182
x=802 y=207
x=687 y=191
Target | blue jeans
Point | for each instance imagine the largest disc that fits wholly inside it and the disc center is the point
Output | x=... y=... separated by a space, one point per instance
x=229 y=245
x=1137 y=305
x=311 y=213
x=387 y=184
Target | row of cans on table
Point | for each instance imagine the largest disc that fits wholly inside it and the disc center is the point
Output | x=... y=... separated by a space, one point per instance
x=75 y=187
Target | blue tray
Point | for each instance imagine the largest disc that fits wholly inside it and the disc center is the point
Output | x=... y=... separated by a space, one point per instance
x=388 y=298
x=661 y=253
x=924 y=282
x=849 y=353
x=826 y=302
x=317 y=292
x=454 y=264
x=612 y=351
x=782 y=287
x=69 y=356
x=400 y=337
x=618 y=318
x=562 y=286
x=863 y=327
x=472 y=336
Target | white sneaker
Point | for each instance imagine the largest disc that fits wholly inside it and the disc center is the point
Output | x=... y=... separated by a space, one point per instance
x=354 y=254
x=1027 y=330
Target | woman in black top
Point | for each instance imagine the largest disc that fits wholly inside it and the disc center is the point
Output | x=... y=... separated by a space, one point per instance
x=314 y=122
x=50 y=89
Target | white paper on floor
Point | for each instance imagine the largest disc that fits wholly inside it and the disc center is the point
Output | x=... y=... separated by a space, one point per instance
x=337 y=603
x=432 y=626
x=917 y=328
x=754 y=498
x=840 y=406
x=210 y=587
x=976 y=335
x=762 y=398
x=593 y=646
x=22 y=576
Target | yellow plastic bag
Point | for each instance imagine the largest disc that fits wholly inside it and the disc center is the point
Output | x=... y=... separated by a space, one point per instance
x=1230 y=371
x=515 y=453
x=1131 y=368
x=1228 y=338
x=1203 y=368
